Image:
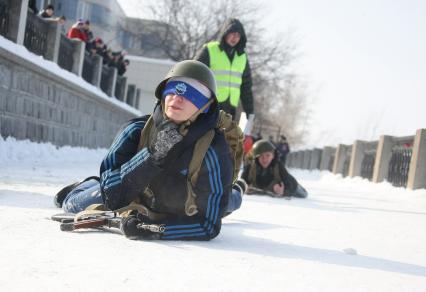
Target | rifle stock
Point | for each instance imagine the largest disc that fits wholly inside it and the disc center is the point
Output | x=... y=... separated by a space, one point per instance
x=92 y=223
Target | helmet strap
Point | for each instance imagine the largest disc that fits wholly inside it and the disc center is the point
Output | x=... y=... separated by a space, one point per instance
x=183 y=129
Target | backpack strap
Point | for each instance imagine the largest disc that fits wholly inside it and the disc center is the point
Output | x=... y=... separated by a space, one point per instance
x=145 y=137
x=252 y=172
x=234 y=138
x=200 y=150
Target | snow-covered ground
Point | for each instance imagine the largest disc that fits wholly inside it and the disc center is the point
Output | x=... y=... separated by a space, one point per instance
x=349 y=235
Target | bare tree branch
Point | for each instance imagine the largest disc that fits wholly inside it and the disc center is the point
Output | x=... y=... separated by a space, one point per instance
x=281 y=100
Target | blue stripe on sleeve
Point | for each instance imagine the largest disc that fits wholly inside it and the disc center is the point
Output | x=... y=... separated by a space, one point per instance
x=183 y=235
x=110 y=159
x=134 y=162
x=219 y=184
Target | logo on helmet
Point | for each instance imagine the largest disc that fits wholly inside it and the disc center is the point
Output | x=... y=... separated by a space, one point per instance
x=180 y=89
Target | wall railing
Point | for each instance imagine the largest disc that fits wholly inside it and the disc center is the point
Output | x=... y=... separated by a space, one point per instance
x=19 y=24
x=398 y=160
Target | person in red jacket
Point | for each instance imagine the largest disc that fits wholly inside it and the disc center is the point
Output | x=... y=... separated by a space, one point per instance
x=77 y=31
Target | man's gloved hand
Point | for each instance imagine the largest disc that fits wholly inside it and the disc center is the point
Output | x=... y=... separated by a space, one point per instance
x=134 y=228
x=166 y=138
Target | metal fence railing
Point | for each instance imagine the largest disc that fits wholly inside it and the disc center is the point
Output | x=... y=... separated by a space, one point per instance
x=119 y=87
x=400 y=160
x=66 y=51
x=399 y=166
x=131 y=95
x=36 y=31
x=19 y=23
x=367 y=165
x=4 y=18
x=88 y=67
x=106 y=77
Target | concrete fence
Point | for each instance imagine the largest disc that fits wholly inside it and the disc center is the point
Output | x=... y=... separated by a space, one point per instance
x=44 y=38
x=398 y=160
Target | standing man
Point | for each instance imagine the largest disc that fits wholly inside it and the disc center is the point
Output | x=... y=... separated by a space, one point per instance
x=227 y=59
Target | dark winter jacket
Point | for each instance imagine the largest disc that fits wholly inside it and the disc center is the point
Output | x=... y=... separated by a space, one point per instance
x=126 y=173
x=266 y=178
x=233 y=25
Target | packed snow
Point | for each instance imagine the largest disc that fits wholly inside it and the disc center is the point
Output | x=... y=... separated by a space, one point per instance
x=348 y=235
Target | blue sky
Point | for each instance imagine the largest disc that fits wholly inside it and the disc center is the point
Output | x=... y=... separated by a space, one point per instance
x=365 y=62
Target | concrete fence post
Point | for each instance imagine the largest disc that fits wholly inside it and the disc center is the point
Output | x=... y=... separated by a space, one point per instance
x=138 y=98
x=315 y=158
x=124 y=88
x=306 y=159
x=131 y=94
x=112 y=82
x=358 y=152
x=53 y=42
x=18 y=20
x=383 y=156
x=417 y=171
x=326 y=156
x=97 y=71
x=339 y=159
x=78 y=56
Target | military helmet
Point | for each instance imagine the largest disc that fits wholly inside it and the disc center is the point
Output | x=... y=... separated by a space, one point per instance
x=191 y=69
x=262 y=146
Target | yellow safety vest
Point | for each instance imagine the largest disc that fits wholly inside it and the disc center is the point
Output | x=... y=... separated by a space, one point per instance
x=228 y=75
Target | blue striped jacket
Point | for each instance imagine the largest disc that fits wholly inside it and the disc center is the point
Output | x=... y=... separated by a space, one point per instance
x=125 y=173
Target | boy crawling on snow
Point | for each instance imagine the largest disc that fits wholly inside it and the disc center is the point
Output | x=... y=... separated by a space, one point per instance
x=265 y=172
x=151 y=166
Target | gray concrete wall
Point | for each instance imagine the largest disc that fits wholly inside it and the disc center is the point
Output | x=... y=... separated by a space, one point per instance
x=38 y=105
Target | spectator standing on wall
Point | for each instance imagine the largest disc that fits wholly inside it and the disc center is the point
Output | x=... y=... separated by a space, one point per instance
x=77 y=32
x=122 y=68
x=228 y=60
x=96 y=46
x=87 y=31
x=108 y=58
x=283 y=148
x=47 y=12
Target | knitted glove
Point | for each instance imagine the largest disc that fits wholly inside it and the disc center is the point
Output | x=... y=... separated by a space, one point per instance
x=166 y=138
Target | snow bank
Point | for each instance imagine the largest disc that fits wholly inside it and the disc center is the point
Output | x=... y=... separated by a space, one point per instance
x=25 y=152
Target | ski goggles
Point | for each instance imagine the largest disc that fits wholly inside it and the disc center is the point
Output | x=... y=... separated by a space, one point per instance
x=188 y=92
